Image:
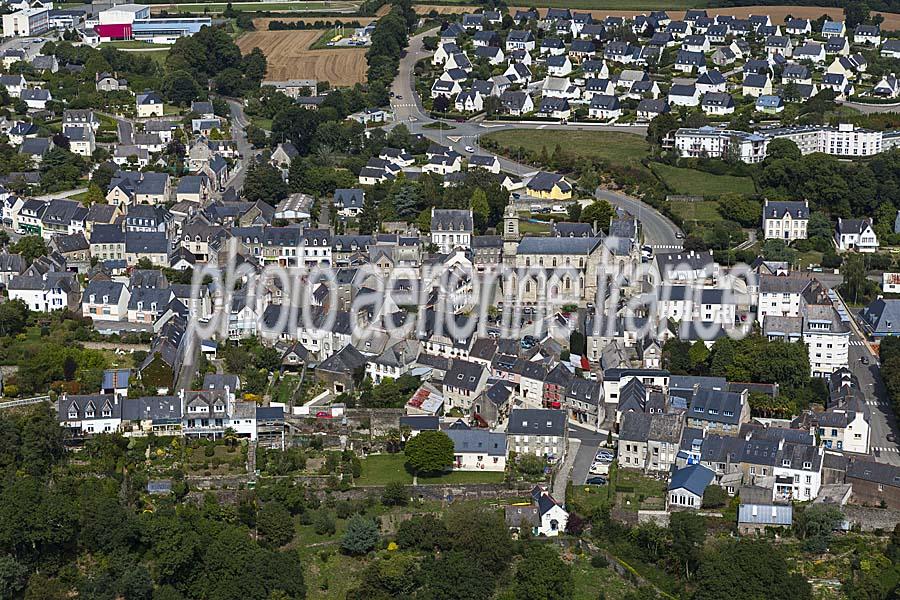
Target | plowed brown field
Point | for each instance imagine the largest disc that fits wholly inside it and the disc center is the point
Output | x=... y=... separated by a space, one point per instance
x=289 y=57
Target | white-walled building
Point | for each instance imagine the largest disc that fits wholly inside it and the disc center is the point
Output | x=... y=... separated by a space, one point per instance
x=26 y=22
x=785 y=220
x=721 y=143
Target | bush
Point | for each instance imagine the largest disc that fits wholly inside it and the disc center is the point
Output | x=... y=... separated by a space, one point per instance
x=395 y=494
x=323 y=523
x=599 y=561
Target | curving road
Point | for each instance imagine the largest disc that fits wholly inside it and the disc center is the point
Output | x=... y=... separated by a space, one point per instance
x=658 y=230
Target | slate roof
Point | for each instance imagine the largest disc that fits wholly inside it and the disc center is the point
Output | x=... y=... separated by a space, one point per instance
x=537 y=421
x=464 y=375
x=727 y=406
x=467 y=441
x=693 y=478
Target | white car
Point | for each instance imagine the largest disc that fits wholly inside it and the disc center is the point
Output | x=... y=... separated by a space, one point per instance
x=470 y=149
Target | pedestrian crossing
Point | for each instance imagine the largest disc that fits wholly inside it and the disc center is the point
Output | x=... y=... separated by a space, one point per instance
x=858 y=343
x=404 y=105
x=665 y=247
x=886 y=449
x=877 y=403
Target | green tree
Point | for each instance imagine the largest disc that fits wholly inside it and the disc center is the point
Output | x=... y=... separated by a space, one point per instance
x=753 y=570
x=275 y=524
x=180 y=88
x=688 y=532
x=714 y=497
x=264 y=183
x=13 y=576
x=423 y=532
x=480 y=209
x=429 y=452
x=676 y=356
x=30 y=247
x=368 y=216
x=13 y=317
x=542 y=575
x=323 y=522
x=855 y=284
x=361 y=535
x=698 y=355
x=395 y=494
x=735 y=207
x=599 y=212
x=856 y=13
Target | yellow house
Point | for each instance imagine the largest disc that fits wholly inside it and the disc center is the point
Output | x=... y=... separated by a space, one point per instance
x=549 y=186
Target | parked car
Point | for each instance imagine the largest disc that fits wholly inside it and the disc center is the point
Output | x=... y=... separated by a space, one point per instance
x=597 y=481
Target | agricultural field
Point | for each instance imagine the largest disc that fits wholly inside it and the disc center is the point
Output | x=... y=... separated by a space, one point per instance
x=290 y=57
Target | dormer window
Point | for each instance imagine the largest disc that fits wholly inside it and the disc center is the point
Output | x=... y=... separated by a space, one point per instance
x=786 y=463
x=73 y=412
x=105 y=299
x=219 y=408
x=807 y=465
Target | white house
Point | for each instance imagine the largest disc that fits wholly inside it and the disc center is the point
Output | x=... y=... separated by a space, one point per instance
x=553 y=517
x=686 y=487
x=785 y=220
x=478 y=449
x=855 y=234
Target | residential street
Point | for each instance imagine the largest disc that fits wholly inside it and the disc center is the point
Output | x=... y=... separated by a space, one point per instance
x=659 y=231
x=238 y=122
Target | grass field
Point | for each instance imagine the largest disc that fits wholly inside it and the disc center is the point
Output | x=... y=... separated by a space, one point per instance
x=699 y=183
x=708 y=210
x=132 y=45
x=290 y=57
x=626 y=149
x=381 y=469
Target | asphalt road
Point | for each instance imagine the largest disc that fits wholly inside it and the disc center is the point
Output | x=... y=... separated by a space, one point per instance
x=658 y=230
x=590 y=441
x=239 y=121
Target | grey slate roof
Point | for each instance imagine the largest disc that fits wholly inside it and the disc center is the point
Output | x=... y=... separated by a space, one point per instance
x=537 y=421
x=693 y=478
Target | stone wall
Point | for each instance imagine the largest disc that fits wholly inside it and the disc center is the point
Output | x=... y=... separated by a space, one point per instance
x=870 y=518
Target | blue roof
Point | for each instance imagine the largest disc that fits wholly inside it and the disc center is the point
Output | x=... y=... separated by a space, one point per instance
x=694 y=479
x=116 y=379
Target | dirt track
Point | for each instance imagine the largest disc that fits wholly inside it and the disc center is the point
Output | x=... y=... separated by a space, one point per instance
x=289 y=57
x=778 y=13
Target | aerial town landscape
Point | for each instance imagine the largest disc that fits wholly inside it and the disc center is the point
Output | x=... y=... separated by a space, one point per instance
x=341 y=299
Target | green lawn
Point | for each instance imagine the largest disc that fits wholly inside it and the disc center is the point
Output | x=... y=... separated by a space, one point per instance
x=262 y=123
x=381 y=469
x=617 y=148
x=131 y=45
x=461 y=477
x=707 y=210
x=699 y=183
x=529 y=228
